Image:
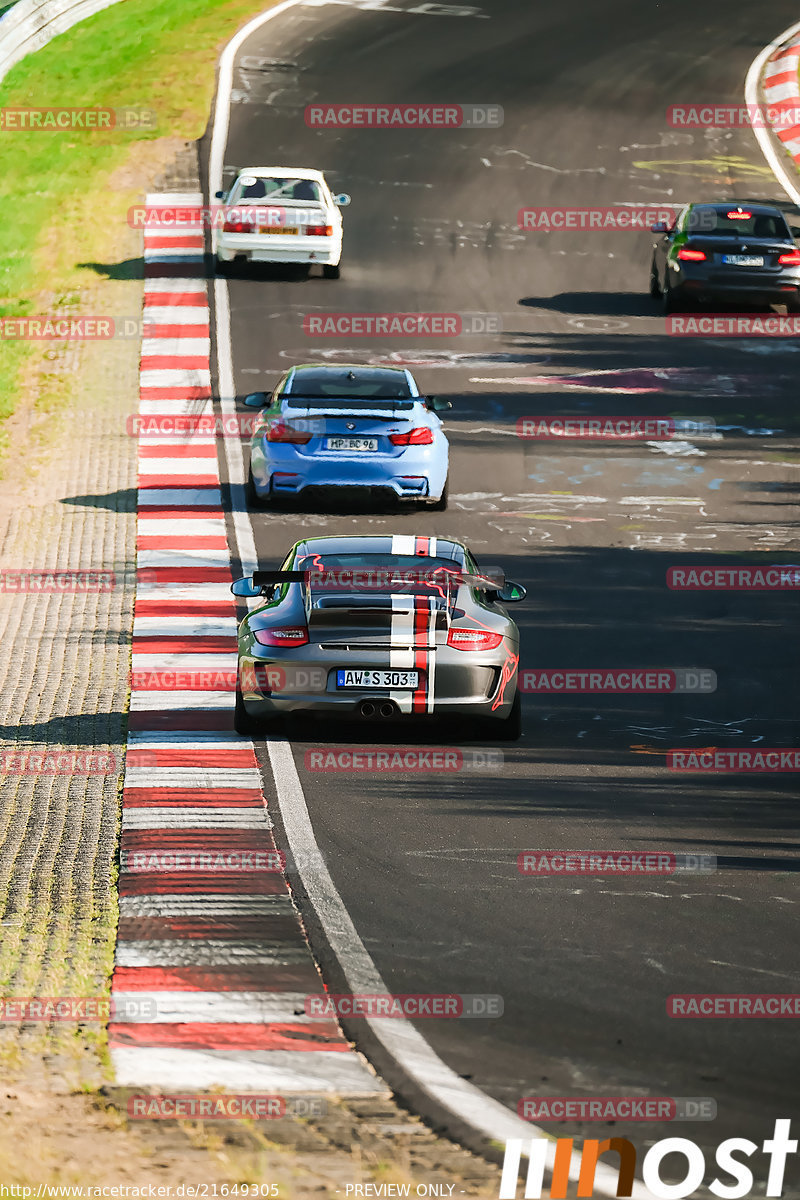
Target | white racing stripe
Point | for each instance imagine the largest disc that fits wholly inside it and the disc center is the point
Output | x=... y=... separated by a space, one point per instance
x=185 y=556
x=281 y=1072
x=184 y=627
x=403 y=543
x=224 y=662
x=159 y=816
x=236 y=1008
x=182 y=527
x=206 y=905
x=178 y=466
x=175 y=700
x=401 y=657
x=192 y=777
x=205 y=952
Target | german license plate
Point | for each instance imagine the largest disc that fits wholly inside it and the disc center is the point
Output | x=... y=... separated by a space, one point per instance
x=351 y=443
x=277 y=229
x=743 y=260
x=369 y=678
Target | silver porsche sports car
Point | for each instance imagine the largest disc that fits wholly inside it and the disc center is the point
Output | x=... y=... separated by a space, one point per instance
x=380 y=628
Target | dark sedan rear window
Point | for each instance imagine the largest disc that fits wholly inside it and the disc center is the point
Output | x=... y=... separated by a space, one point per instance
x=732 y=222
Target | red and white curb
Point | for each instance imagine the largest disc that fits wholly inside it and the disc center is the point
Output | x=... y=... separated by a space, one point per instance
x=782 y=91
x=219 y=957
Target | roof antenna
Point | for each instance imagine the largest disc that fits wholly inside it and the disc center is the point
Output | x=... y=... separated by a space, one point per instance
x=351 y=374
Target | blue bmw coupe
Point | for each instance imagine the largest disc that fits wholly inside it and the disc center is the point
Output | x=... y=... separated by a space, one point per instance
x=327 y=428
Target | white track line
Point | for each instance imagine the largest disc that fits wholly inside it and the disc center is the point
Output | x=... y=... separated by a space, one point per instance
x=409 y=1048
x=764 y=136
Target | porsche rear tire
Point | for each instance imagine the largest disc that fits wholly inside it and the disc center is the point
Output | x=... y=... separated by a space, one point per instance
x=243 y=722
x=509 y=729
x=329 y=271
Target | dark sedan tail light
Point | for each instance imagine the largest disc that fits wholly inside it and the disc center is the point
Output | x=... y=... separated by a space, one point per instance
x=421 y=436
x=279 y=431
x=790 y=259
x=689 y=255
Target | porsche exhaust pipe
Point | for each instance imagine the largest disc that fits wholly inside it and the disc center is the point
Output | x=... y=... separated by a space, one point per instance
x=368 y=709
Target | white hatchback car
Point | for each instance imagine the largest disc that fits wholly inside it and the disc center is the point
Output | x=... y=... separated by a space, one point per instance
x=281 y=215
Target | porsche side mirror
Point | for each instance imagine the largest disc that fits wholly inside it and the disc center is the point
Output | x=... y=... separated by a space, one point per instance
x=219 y=195
x=511 y=592
x=245 y=587
x=342 y=200
x=256 y=399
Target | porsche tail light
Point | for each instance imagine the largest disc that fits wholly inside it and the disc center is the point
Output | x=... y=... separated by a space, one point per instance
x=473 y=639
x=319 y=230
x=689 y=255
x=282 y=635
x=237 y=227
x=790 y=259
x=421 y=436
x=279 y=431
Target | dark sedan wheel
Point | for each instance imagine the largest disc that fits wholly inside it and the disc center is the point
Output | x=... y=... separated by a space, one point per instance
x=655 y=286
x=670 y=302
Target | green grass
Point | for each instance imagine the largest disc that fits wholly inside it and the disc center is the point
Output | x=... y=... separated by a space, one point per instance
x=59 y=205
